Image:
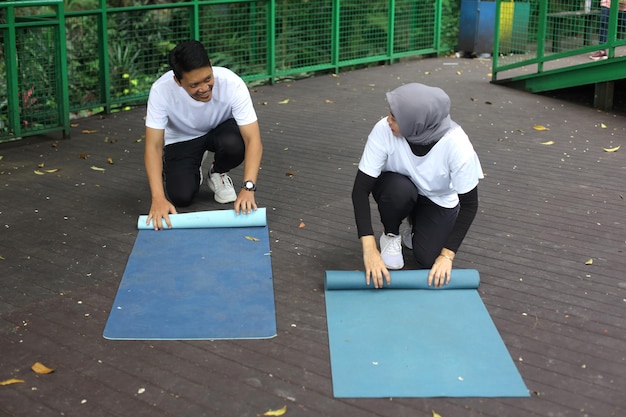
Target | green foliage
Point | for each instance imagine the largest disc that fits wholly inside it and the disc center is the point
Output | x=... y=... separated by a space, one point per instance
x=235 y=34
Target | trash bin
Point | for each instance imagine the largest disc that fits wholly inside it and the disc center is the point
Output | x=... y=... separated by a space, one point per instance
x=476 y=30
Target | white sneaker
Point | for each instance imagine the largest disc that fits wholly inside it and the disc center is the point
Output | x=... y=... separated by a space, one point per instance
x=222 y=186
x=406 y=231
x=391 y=251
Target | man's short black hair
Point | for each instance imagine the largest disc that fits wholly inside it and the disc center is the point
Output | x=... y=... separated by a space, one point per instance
x=188 y=56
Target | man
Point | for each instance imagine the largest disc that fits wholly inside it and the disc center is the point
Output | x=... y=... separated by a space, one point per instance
x=194 y=109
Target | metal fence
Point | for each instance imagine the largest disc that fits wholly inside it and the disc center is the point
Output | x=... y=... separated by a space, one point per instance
x=67 y=59
x=535 y=36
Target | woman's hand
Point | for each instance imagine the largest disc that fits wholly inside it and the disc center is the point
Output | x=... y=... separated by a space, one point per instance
x=375 y=269
x=439 y=274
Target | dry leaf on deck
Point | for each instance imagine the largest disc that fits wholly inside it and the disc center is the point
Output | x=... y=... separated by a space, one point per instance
x=550 y=142
x=110 y=160
x=254 y=239
x=11 y=381
x=602 y=125
x=285 y=101
x=88 y=131
x=95 y=168
x=50 y=171
x=302 y=225
x=38 y=172
x=328 y=101
x=540 y=127
x=589 y=262
x=278 y=412
x=615 y=149
x=435 y=414
x=40 y=368
x=83 y=156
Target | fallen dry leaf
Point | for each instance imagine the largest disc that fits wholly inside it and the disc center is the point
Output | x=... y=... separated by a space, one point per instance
x=86 y=131
x=278 y=412
x=40 y=165
x=435 y=414
x=110 y=160
x=95 y=168
x=550 y=142
x=82 y=156
x=540 y=127
x=615 y=149
x=285 y=101
x=328 y=101
x=302 y=225
x=602 y=125
x=289 y=174
x=254 y=239
x=73 y=124
x=50 y=171
x=40 y=368
x=38 y=172
x=11 y=381
x=459 y=73
x=589 y=262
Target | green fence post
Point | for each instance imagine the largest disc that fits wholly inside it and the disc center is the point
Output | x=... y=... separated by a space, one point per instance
x=103 y=51
x=391 y=19
x=271 y=40
x=335 y=36
x=12 y=83
x=62 y=81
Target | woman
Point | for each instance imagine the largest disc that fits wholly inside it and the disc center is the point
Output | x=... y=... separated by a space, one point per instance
x=419 y=165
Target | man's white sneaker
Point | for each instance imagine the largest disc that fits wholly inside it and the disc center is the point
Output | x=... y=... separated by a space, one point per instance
x=406 y=231
x=222 y=186
x=391 y=251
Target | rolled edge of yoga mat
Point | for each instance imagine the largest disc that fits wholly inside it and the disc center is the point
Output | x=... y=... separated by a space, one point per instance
x=209 y=219
x=401 y=280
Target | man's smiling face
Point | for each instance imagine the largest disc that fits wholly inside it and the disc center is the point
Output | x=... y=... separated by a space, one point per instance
x=198 y=83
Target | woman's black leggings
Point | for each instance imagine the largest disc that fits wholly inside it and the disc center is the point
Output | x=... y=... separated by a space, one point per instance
x=182 y=160
x=397 y=199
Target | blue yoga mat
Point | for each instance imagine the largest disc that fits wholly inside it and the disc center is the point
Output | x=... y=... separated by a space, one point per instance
x=411 y=340
x=209 y=277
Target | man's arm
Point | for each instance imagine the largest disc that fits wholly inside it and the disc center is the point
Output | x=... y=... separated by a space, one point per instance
x=153 y=159
x=252 y=162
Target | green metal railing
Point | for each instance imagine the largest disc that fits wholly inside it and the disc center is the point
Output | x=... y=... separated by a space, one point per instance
x=33 y=95
x=537 y=36
x=111 y=55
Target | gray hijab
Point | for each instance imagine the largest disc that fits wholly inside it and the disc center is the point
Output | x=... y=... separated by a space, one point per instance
x=422 y=112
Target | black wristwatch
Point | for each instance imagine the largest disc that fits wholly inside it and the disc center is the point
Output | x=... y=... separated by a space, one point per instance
x=249 y=185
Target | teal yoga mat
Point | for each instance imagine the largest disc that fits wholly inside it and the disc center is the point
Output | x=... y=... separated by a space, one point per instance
x=209 y=277
x=411 y=340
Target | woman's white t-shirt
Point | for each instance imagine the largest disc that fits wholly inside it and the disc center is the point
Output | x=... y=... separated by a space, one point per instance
x=183 y=118
x=450 y=168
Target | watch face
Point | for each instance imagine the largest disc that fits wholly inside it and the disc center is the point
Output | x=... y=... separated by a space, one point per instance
x=249 y=185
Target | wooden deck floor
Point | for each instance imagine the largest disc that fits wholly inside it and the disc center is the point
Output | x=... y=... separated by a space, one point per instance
x=545 y=211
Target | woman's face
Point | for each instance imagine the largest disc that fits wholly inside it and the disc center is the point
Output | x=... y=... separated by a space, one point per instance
x=393 y=125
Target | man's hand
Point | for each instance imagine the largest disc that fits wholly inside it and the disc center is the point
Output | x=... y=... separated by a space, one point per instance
x=245 y=202
x=159 y=211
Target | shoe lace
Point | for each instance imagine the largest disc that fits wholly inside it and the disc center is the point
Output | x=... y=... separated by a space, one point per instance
x=393 y=244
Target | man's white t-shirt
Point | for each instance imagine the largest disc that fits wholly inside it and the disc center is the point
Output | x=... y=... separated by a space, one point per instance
x=171 y=108
x=450 y=168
